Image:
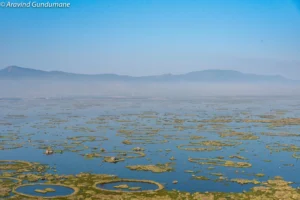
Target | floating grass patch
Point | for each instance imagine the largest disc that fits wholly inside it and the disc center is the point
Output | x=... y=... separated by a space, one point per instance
x=19 y=166
x=238 y=157
x=88 y=138
x=259 y=175
x=202 y=178
x=158 y=168
x=113 y=159
x=245 y=181
x=217 y=143
x=124 y=184
x=6 y=185
x=119 y=154
x=239 y=135
x=278 y=147
x=183 y=137
x=219 y=162
x=197 y=147
x=281 y=134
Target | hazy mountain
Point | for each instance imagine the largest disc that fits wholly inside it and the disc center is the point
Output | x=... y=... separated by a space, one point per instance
x=19 y=73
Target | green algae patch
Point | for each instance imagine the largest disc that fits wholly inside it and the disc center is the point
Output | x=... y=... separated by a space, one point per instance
x=158 y=168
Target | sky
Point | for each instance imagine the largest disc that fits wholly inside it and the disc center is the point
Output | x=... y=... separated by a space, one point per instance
x=148 y=37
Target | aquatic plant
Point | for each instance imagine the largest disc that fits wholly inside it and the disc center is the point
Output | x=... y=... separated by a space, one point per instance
x=158 y=168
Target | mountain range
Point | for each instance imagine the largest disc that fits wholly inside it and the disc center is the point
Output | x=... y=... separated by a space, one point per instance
x=20 y=73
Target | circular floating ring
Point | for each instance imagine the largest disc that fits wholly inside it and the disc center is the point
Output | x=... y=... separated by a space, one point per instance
x=159 y=186
x=15 y=179
x=23 y=164
x=297 y=156
x=75 y=191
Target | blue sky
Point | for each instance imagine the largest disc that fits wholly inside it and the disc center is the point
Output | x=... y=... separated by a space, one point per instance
x=145 y=37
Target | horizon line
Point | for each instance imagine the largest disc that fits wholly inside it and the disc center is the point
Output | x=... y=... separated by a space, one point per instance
x=49 y=71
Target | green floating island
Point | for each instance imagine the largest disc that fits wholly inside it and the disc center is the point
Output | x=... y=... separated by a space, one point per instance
x=245 y=181
x=134 y=188
x=123 y=186
x=203 y=178
x=45 y=190
x=113 y=159
x=219 y=162
x=158 y=168
x=197 y=147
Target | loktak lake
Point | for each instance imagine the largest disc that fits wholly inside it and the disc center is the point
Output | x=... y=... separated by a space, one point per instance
x=81 y=148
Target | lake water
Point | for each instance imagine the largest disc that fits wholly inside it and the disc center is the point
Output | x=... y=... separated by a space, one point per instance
x=28 y=126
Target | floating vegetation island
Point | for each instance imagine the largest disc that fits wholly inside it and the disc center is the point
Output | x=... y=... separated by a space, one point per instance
x=75 y=149
x=158 y=168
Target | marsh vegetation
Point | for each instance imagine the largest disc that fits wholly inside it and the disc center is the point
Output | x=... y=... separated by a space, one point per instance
x=100 y=149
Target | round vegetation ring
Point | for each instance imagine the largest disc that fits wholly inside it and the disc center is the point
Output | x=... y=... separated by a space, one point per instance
x=11 y=178
x=122 y=181
x=16 y=162
x=297 y=156
x=14 y=165
x=47 y=191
